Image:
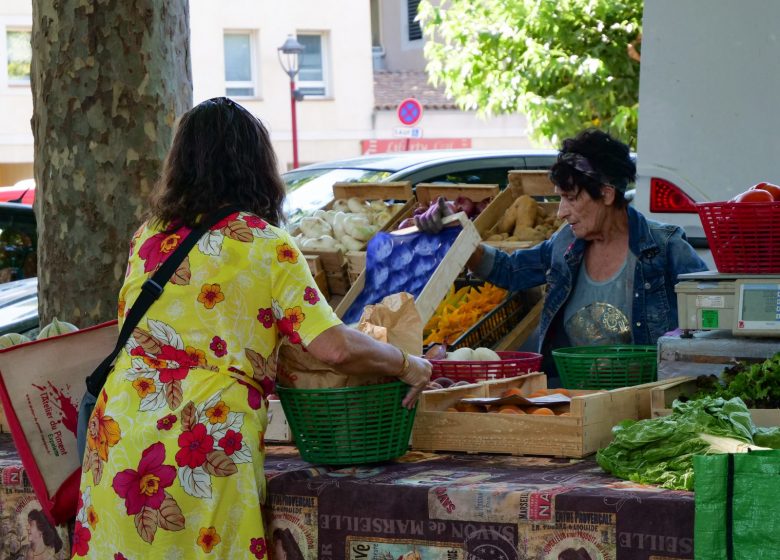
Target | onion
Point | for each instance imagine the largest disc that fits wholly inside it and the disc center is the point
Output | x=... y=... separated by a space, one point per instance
x=466 y=205
x=482 y=204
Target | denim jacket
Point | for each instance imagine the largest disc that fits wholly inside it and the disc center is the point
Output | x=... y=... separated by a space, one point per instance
x=662 y=253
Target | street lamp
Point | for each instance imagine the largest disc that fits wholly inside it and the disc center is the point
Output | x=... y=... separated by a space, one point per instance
x=289 y=54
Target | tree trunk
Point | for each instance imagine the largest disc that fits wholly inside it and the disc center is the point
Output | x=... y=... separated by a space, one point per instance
x=109 y=78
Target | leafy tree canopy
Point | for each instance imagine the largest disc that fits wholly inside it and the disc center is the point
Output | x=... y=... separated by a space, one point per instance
x=564 y=63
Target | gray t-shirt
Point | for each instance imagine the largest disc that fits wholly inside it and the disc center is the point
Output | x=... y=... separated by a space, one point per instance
x=599 y=313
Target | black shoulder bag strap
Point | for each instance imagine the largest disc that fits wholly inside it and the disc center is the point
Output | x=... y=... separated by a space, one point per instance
x=150 y=291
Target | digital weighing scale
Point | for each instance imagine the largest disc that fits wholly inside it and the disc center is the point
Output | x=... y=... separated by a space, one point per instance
x=748 y=305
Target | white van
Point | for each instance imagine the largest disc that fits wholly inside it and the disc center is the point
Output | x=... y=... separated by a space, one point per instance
x=709 y=106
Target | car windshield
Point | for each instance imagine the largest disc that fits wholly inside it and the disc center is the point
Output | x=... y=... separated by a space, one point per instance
x=310 y=189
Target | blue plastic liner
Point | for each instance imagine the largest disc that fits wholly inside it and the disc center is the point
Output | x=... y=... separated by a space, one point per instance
x=400 y=263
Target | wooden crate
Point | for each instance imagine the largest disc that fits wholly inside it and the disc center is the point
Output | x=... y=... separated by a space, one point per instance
x=321 y=279
x=442 y=278
x=338 y=280
x=398 y=190
x=315 y=264
x=586 y=430
x=535 y=182
x=356 y=263
x=428 y=192
x=488 y=219
x=661 y=399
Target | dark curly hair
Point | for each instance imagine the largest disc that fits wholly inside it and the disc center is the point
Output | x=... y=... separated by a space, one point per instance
x=591 y=159
x=221 y=155
x=50 y=536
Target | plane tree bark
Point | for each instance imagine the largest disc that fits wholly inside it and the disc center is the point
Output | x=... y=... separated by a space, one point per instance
x=109 y=79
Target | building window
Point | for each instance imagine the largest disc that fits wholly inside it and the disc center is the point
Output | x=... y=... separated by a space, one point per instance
x=312 y=78
x=240 y=77
x=415 y=31
x=19 y=54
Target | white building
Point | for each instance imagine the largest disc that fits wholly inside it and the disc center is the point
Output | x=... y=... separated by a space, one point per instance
x=348 y=108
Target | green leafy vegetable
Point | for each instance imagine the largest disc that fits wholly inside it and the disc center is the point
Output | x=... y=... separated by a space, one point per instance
x=758 y=385
x=661 y=450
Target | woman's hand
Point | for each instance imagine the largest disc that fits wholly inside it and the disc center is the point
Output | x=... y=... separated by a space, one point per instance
x=417 y=374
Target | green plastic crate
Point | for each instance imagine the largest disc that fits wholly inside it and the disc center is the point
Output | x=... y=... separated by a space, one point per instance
x=350 y=425
x=606 y=367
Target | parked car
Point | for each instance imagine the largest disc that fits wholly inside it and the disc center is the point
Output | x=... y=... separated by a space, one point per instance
x=19 y=306
x=311 y=187
x=23 y=191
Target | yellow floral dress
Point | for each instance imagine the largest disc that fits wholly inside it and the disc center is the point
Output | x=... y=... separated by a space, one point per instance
x=174 y=460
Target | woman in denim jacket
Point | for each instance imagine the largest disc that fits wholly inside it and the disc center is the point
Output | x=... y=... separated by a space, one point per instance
x=610 y=273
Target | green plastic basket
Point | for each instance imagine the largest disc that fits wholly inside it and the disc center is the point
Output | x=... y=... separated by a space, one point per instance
x=606 y=367
x=351 y=425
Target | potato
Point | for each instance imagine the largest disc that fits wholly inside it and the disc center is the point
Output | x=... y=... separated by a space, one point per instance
x=507 y=222
x=525 y=212
x=528 y=234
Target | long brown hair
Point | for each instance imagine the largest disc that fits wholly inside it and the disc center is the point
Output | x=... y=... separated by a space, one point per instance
x=221 y=155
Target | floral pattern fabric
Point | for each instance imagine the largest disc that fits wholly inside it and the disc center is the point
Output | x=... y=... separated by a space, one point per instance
x=174 y=460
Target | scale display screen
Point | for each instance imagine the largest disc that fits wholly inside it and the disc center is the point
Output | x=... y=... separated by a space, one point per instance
x=759 y=306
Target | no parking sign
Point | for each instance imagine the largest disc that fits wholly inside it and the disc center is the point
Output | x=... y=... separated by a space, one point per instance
x=409 y=111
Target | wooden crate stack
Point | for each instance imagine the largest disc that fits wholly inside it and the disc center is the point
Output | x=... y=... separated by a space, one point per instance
x=334 y=262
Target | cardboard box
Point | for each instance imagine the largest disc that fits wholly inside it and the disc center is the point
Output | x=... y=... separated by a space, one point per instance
x=443 y=276
x=277 y=430
x=662 y=397
x=588 y=428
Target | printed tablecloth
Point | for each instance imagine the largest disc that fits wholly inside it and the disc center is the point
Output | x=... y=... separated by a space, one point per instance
x=23 y=527
x=450 y=507
x=427 y=506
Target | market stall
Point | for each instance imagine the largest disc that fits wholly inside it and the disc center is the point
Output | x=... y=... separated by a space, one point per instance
x=370 y=479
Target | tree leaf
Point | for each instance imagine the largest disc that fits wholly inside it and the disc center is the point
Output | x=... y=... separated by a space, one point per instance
x=148 y=342
x=171 y=518
x=238 y=230
x=146 y=523
x=183 y=273
x=219 y=464
x=189 y=416
x=173 y=394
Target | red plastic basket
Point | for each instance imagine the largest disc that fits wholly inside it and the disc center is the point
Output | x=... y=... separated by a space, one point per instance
x=512 y=364
x=744 y=237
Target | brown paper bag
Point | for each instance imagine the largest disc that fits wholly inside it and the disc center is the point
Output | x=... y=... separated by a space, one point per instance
x=395 y=320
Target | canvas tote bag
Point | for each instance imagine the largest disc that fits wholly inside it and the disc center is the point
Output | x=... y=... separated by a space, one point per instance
x=41 y=384
x=737 y=506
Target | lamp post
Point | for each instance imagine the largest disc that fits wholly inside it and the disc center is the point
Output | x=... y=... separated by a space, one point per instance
x=289 y=55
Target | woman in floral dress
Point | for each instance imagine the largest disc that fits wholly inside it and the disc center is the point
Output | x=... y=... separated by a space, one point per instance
x=174 y=460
